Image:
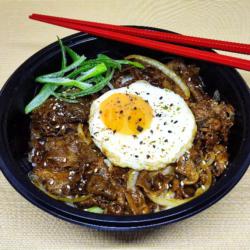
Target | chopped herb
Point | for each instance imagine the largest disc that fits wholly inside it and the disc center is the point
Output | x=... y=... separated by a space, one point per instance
x=96 y=210
x=68 y=84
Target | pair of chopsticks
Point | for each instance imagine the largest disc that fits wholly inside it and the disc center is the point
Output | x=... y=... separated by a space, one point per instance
x=157 y=40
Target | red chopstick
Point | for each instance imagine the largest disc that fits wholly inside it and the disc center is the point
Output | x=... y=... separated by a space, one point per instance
x=148 y=43
x=161 y=36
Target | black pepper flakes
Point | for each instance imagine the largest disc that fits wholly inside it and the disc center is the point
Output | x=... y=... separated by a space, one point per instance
x=171 y=105
x=121 y=111
x=165 y=123
x=135 y=108
x=139 y=128
x=148 y=156
x=129 y=117
x=166 y=140
x=161 y=97
x=169 y=131
x=141 y=142
x=175 y=122
x=136 y=156
x=151 y=131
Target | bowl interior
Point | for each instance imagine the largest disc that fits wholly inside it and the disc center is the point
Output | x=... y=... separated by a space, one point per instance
x=14 y=130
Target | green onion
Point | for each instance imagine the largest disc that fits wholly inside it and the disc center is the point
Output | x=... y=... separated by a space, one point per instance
x=109 y=62
x=135 y=64
x=99 y=86
x=74 y=56
x=97 y=70
x=41 y=97
x=64 y=59
x=60 y=97
x=68 y=87
x=67 y=69
x=96 y=210
x=63 y=81
x=86 y=66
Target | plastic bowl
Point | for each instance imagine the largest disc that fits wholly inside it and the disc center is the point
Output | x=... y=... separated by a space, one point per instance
x=14 y=133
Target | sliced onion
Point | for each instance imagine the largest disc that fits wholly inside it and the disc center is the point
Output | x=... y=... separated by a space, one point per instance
x=132 y=178
x=168 y=170
x=66 y=199
x=82 y=135
x=163 y=68
x=110 y=86
x=166 y=199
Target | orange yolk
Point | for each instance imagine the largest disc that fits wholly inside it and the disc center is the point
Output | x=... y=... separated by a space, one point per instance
x=125 y=113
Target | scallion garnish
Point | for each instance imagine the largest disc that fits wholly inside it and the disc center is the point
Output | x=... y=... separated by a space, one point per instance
x=80 y=78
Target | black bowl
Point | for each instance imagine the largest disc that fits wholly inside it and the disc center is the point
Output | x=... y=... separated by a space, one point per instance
x=14 y=132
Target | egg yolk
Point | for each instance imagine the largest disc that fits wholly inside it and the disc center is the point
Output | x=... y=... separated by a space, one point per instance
x=125 y=113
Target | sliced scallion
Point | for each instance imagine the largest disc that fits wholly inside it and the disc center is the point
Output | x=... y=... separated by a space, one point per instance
x=63 y=81
x=95 y=71
x=41 y=97
x=64 y=59
x=74 y=56
x=96 y=210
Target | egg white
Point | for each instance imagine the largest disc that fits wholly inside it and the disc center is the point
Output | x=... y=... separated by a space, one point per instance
x=170 y=135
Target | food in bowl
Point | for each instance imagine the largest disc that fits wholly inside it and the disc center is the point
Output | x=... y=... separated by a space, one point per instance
x=126 y=137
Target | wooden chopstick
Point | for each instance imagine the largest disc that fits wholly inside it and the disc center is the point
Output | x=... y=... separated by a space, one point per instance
x=148 y=43
x=160 y=36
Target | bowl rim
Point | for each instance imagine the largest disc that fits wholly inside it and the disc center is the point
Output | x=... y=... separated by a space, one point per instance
x=118 y=223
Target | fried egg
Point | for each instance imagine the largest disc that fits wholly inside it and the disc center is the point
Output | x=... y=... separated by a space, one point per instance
x=142 y=126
